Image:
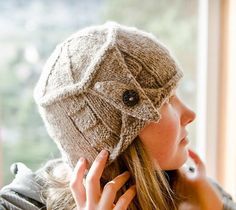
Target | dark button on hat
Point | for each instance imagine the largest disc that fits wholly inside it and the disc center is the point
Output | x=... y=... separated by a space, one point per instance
x=130 y=98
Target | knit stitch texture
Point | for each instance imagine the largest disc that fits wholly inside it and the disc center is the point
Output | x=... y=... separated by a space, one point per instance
x=101 y=86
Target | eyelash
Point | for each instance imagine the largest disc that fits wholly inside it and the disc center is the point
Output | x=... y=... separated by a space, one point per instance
x=169 y=98
x=167 y=101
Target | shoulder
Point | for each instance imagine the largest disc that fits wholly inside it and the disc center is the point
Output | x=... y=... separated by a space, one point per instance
x=25 y=191
x=229 y=204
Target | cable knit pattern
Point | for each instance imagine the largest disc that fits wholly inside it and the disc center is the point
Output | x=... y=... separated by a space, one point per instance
x=101 y=86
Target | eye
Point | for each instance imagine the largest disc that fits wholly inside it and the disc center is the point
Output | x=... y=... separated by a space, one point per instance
x=172 y=97
x=169 y=99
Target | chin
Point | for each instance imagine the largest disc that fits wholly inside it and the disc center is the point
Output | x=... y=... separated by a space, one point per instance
x=182 y=159
x=178 y=161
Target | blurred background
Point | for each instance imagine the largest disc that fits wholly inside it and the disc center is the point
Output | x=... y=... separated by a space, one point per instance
x=199 y=33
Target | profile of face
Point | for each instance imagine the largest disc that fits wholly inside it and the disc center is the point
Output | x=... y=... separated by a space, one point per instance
x=166 y=140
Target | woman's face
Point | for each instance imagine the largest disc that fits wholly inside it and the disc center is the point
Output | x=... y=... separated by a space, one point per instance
x=166 y=140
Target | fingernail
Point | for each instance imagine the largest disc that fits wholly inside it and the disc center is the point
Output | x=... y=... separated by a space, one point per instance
x=133 y=187
x=126 y=173
x=82 y=160
x=104 y=153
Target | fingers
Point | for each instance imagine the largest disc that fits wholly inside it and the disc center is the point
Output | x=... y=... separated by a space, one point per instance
x=197 y=160
x=93 y=192
x=126 y=199
x=194 y=156
x=76 y=183
x=111 y=188
x=90 y=195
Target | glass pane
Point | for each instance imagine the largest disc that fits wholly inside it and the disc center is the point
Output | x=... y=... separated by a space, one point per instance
x=30 y=30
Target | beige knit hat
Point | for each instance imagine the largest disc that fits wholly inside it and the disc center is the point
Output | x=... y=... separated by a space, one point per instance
x=101 y=86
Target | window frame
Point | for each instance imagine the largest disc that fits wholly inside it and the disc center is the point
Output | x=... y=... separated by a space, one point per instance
x=216 y=100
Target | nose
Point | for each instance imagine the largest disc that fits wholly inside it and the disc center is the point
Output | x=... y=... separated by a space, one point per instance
x=188 y=116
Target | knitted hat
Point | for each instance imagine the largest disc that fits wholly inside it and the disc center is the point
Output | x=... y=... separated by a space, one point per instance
x=101 y=86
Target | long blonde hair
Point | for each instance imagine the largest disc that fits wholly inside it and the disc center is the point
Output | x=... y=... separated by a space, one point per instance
x=154 y=186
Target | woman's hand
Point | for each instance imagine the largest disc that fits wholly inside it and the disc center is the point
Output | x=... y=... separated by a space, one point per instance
x=200 y=194
x=90 y=196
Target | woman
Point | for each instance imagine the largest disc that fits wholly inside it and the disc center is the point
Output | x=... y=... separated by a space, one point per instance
x=111 y=90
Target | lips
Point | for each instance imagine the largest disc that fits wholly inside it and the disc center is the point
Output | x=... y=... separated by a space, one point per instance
x=184 y=140
x=184 y=136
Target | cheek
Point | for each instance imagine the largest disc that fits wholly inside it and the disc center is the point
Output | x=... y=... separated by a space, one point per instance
x=165 y=150
x=169 y=130
x=162 y=139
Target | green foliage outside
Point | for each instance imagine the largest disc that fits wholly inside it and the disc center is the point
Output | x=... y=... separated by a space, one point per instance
x=32 y=30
